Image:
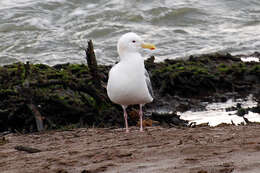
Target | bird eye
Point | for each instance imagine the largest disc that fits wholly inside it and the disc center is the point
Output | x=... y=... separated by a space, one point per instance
x=133 y=41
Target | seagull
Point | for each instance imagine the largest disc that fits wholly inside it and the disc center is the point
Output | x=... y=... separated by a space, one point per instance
x=128 y=81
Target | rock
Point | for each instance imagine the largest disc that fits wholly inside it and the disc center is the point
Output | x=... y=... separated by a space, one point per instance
x=68 y=94
x=169 y=119
x=241 y=112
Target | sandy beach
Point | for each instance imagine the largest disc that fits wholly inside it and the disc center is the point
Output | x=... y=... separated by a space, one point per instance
x=222 y=149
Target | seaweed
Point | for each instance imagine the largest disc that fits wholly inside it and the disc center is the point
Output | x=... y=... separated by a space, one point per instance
x=68 y=95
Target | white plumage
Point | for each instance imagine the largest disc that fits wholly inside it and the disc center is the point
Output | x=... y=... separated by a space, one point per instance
x=129 y=81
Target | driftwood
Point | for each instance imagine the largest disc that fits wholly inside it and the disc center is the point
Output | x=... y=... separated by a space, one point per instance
x=27 y=149
x=37 y=116
x=29 y=95
x=92 y=64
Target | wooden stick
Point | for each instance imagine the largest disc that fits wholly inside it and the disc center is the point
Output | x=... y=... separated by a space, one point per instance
x=27 y=149
x=37 y=116
x=92 y=64
x=29 y=97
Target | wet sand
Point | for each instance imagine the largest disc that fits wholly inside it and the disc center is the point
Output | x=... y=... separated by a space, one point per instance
x=222 y=149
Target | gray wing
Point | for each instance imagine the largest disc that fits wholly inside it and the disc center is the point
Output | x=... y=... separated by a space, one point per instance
x=148 y=83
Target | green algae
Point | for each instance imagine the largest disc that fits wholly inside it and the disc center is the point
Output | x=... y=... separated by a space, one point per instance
x=3 y=141
x=66 y=94
x=255 y=70
x=200 y=75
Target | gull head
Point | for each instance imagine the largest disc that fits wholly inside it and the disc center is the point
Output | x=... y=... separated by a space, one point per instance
x=131 y=43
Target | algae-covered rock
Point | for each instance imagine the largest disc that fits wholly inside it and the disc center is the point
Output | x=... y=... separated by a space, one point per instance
x=204 y=75
x=67 y=94
x=64 y=94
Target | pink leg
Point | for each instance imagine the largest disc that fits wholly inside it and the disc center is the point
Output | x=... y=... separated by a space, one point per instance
x=125 y=116
x=141 y=118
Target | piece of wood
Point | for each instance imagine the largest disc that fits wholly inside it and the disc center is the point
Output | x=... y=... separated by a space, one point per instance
x=92 y=64
x=27 y=149
x=37 y=116
x=28 y=94
x=91 y=57
x=27 y=69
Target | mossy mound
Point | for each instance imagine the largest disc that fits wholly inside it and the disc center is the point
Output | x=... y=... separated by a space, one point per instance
x=67 y=94
x=64 y=94
x=204 y=75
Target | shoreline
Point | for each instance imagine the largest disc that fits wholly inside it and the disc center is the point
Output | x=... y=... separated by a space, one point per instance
x=156 y=150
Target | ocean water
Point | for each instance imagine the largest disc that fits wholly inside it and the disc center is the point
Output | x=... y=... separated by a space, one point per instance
x=216 y=113
x=52 y=31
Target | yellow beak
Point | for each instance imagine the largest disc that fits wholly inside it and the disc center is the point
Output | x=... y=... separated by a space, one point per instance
x=148 y=46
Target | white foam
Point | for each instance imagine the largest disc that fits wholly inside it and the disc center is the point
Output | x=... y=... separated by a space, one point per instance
x=216 y=113
x=250 y=59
